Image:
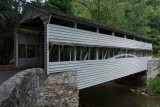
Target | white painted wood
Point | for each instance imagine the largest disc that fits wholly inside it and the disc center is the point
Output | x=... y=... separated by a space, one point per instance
x=75 y=53
x=66 y=35
x=48 y=50
x=97 y=53
x=113 y=33
x=75 y=25
x=93 y=72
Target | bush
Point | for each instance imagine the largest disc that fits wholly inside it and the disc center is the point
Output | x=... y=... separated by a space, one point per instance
x=154 y=85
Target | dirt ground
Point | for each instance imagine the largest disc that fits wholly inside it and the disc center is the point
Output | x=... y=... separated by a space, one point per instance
x=7 y=71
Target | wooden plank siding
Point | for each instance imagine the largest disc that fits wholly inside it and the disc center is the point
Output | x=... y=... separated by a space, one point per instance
x=61 y=34
x=93 y=72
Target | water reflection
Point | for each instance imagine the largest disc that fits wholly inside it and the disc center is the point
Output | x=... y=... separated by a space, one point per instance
x=115 y=95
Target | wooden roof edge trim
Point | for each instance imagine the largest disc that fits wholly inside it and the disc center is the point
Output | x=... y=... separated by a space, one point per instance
x=39 y=9
x=90 y=22
x=96 y=24
x=25 y=9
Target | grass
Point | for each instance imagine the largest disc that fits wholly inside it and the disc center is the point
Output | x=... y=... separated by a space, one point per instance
x=156 y=55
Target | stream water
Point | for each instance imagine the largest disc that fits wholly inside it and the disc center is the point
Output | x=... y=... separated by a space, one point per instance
x=115 y=95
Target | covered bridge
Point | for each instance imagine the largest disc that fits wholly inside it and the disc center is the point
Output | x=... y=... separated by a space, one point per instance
x=60 y=42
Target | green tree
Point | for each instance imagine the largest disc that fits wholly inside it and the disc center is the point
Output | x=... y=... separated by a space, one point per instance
x=138 y=15
x=10 y=11
x=8 y=18
x=65 y=6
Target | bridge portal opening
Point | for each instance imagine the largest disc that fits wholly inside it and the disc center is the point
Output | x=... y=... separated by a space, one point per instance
x=30 y=44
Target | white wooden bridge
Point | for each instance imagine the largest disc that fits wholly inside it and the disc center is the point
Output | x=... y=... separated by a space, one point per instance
x=61 y=42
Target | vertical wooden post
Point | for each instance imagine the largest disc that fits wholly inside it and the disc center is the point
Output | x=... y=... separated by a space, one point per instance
x=75 y=53
x=75 y=25
x=46 y=22
x=70 y=54
x=80 y=53
x=47 y=49
x=108 y=51
x=26 y=50
x=89 y=53
x=97 y=30
x=16 y=35
x=97 y=53
x=113 y=33
x=103 y=53
x=59 y=53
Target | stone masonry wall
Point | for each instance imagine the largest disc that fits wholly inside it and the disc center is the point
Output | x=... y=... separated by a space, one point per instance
x=33 y=88
x=20 y=89
x=59 y=90
x=152 y=69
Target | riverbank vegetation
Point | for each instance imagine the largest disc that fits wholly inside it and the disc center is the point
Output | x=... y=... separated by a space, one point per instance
x=154 y=85
x=138 y=16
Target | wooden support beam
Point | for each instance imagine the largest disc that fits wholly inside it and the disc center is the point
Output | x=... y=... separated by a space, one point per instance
x=113 y=33
x=97 y=30
x=16 y=48
x=70 y=54
x=97 y=53
x=89 y=53
x=53 y=51
x=106 y=51
x=59 y=53
x=86 y=56
x=75 y=53
x=109 y=50
x=81 y=52
x=75 y=25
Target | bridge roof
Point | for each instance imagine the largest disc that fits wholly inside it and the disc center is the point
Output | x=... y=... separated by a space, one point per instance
x=71 y=18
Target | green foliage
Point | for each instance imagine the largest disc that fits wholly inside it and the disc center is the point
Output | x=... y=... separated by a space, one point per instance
x=60 y=5
x=10 y=11
x=154 y=85
x=138 y=16
x=157 y=55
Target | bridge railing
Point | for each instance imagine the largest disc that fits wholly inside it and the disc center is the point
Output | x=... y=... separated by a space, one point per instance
x=92 y=72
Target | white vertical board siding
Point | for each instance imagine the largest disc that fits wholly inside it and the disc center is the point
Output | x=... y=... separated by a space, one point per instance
x=93 y=72
x=61 y=34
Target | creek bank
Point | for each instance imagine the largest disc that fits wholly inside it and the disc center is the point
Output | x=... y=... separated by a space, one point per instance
x=153 y=77
x=138 y=89
x=112 y=94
